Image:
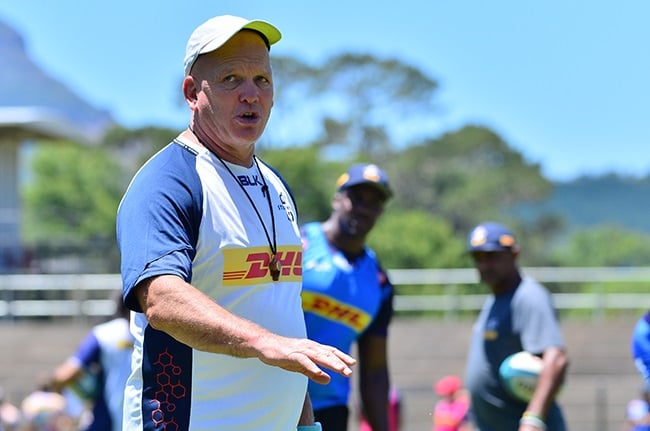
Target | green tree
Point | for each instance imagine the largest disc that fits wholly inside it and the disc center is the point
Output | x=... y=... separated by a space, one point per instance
x=73 y=197
x=466 y=176
x=312 y=180
x=132 y=147
x=537 y=237
x=605 y=245
x=357 y=105
x=415 y=239
x=350 y=108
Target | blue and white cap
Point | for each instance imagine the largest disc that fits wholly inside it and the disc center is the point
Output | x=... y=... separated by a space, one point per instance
x=365 y=174
x=491 y=236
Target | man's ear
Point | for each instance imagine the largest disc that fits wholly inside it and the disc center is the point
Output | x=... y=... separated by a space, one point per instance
x=190 y=90
x=336 y=200
x=515 y=251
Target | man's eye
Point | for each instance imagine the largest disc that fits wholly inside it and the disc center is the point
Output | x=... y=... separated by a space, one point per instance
x=263 y=82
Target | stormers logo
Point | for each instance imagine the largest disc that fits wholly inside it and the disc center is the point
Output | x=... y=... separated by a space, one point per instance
x=284 y=205
x=329 y=308
x=247 y=266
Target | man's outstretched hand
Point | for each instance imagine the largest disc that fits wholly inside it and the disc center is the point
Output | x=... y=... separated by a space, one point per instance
x=305 y=356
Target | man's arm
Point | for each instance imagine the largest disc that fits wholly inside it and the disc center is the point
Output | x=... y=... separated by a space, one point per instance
x=66 y=373
x=191 y=317
x=556 y=362
x=374 y=382
x=73 y=368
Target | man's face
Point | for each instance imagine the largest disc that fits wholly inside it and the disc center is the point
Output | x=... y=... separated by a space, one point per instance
x=496 y=268
x=358 y=208
x=235 y=90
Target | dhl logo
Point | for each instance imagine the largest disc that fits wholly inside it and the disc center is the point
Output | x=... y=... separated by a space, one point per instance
x=491 y=335
x=124 y=344
x=247 y=266
x=329 y=308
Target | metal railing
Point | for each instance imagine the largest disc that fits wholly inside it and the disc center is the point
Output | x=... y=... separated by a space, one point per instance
x=452 y=301
x=87 y=295
x=70 y=295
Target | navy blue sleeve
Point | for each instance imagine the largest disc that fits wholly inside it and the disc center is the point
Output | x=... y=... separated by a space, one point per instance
x=158 y=220
x=89 y=351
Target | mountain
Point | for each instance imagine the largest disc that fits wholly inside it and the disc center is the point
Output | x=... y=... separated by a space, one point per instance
x=609 y=199
x=24 y=84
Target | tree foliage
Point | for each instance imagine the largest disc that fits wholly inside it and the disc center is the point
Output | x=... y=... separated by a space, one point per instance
x=73 y=196
x=415 y=239
x=132 y=147
x=311 y=180
x=606 y=245
x=361 y=105
x=466 y=176
x=350 y=108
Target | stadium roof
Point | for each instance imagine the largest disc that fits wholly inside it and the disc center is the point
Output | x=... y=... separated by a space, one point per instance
x=32 y=123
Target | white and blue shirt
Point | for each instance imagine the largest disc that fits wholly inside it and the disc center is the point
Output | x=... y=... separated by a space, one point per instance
x=185 y=214
x=108 y=345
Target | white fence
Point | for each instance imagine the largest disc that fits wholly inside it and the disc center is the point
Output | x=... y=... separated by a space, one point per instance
x=452 y=301
x=85 y=295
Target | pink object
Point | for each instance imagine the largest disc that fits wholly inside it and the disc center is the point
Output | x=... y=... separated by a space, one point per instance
x=393 y=413
x=449 y=414
x=448 y=385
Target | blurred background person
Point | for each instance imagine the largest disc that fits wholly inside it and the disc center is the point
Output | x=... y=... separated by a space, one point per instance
x=640 y=346
x=637 y=413
x=46 y=410
x=10 y=415
x=348 y=298
x=451 y=411
x=98 y=370
x=518 y=315
x=394 y=413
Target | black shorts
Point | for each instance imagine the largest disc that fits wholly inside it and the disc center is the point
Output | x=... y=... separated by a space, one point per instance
x=333 y=418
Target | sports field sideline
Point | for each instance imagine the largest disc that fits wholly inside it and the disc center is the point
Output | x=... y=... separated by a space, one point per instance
x=601 y=377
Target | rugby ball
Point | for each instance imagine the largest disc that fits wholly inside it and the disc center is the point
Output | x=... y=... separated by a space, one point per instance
x=519 y=373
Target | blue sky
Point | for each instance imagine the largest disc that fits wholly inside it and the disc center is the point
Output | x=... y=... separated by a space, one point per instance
x=565 y=82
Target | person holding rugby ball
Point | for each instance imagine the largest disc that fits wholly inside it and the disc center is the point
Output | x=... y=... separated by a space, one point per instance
x=519 y=315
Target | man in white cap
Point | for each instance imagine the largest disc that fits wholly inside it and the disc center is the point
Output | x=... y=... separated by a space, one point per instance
x=211 y=258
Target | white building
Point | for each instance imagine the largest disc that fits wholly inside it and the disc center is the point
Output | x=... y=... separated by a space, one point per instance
x=17 y=126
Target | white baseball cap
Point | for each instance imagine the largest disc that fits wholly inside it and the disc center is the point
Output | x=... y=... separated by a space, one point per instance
x=218 y=30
